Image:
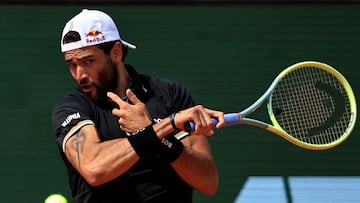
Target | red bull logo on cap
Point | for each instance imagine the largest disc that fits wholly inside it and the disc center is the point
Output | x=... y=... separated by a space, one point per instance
x=94 y=36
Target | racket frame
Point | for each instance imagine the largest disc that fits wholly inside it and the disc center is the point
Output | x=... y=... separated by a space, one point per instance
x=275 y=126
x=277 y=129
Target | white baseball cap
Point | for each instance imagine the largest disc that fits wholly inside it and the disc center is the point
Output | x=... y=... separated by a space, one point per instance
x=94 y=27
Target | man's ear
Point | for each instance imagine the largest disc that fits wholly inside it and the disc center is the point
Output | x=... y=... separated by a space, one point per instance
x=116 y=52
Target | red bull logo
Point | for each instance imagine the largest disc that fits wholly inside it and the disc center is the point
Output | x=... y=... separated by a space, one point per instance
x=94 y=36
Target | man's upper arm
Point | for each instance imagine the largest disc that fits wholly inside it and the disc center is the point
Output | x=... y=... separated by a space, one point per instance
x=75 y=131
x=80 y=136
x=72 y=113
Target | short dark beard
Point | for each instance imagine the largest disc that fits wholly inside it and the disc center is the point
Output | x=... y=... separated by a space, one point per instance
x=108 y=83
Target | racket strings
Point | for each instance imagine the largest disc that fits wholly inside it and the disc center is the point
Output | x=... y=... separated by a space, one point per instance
x=313 y=105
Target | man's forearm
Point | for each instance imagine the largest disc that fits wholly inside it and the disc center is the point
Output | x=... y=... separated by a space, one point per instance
x=198 y=169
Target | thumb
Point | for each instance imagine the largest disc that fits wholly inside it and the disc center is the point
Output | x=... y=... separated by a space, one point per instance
x=132 y=97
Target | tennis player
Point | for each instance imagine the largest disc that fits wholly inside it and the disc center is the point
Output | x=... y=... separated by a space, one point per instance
x=116 y=131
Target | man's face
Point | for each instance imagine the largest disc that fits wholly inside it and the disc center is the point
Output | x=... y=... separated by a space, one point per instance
x=93 y=71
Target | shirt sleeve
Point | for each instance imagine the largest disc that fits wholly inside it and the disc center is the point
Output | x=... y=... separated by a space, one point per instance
x=72 y=110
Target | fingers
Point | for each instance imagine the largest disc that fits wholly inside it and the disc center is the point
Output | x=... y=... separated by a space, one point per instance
x=218 y=115
x=203 y=119
x=134 y=115
x=203 y=123
x=121 y=103
x=115 y=98
x=132 y=97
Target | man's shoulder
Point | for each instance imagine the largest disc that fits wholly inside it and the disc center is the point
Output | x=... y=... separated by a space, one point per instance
x=74 y=95
x=73 y=98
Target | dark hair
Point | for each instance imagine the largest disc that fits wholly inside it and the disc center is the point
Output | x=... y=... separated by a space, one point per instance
x=73 y=36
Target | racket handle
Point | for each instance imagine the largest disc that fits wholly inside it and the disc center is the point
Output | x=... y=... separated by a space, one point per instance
x=230 y=119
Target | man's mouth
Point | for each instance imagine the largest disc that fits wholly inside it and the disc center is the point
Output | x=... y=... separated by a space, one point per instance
x=86 y=88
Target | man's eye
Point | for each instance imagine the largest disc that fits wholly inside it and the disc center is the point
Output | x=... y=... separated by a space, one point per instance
x=72 y=65
x=89 y=61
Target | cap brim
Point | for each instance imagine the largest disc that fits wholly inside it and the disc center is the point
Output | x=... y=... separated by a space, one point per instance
x=131 y=46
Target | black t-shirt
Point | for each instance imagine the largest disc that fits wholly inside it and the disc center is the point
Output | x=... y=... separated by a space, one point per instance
x=147 y=181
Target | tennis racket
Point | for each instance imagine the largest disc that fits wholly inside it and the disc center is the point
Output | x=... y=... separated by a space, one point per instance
x=309 y=103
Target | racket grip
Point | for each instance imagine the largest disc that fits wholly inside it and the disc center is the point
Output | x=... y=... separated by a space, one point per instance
x=230 y=119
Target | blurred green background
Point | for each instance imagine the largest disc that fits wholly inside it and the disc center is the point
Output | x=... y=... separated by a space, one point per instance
x=226 y=55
